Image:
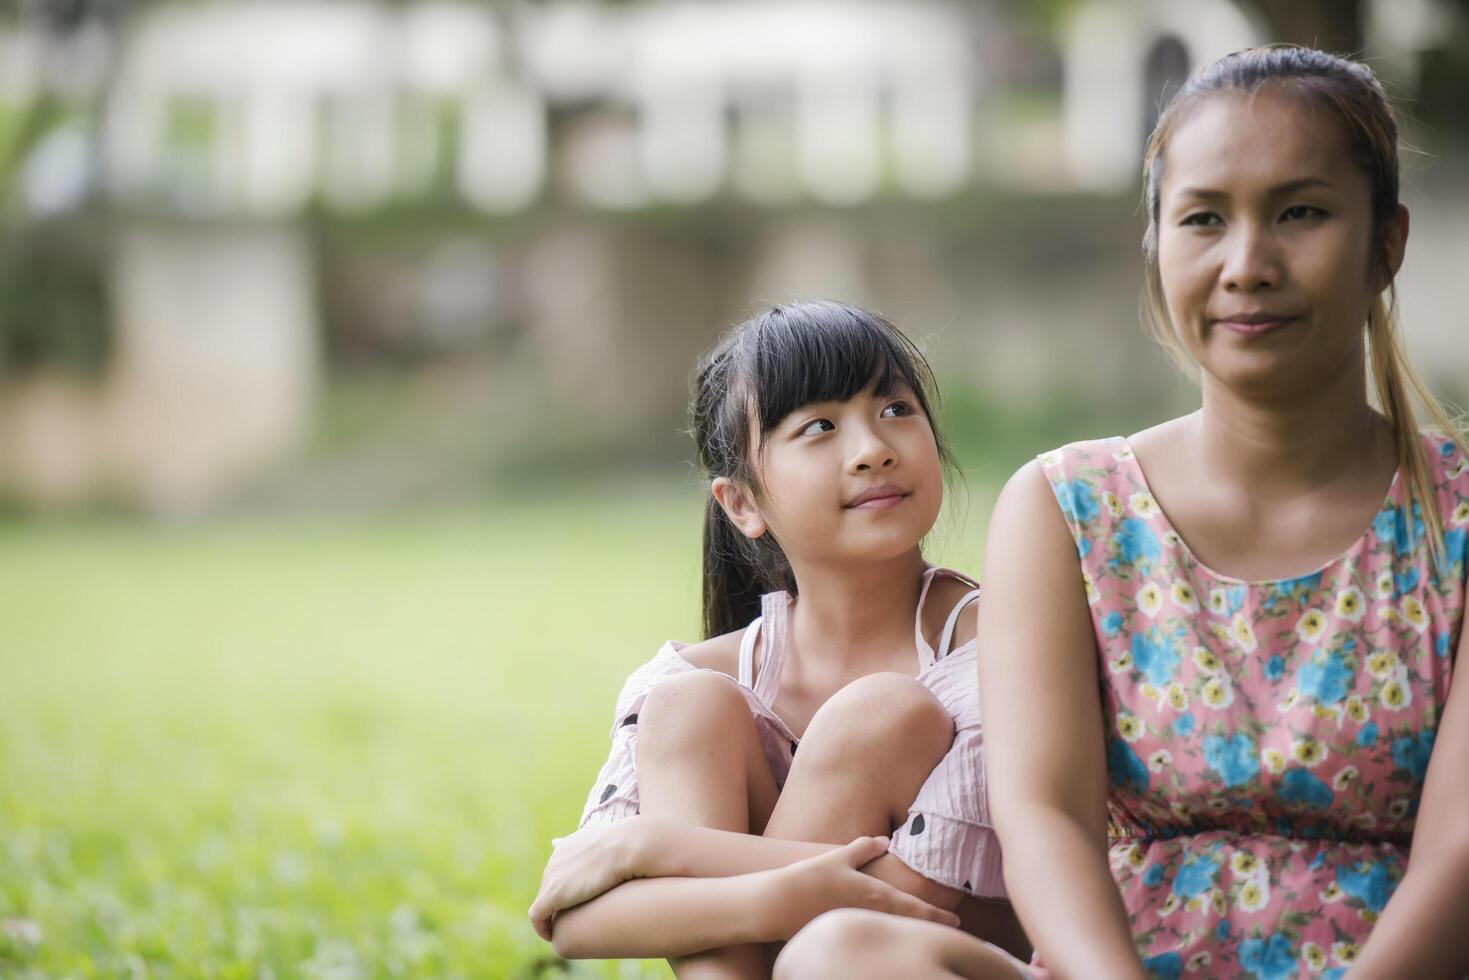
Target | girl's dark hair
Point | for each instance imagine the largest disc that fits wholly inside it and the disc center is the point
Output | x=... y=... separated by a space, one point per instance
x=760 y=372
x=1349 y=93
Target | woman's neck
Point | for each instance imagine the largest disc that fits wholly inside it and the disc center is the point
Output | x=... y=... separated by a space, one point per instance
x=1286 y=448
x=855 y=615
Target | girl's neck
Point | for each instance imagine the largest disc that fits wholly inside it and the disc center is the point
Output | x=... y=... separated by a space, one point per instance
x=857 y=614
x=1284 y=449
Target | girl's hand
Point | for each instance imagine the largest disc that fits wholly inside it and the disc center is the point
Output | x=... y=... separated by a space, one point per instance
x=804 y=890
x=586 y=864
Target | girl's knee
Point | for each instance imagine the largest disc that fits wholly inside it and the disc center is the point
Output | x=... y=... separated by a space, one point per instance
x=685 y=707
x=885 y=712
x=841 y=943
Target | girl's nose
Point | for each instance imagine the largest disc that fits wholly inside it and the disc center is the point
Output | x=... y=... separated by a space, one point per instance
x=871 y=453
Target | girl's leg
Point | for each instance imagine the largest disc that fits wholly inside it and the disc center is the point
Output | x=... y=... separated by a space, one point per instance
x=858 y=944
x=699 y=759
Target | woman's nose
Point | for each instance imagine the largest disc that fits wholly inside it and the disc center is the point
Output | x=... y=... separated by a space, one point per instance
x=1252 y=262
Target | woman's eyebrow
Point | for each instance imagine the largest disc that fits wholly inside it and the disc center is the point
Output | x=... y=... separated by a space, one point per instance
x=1279 y=190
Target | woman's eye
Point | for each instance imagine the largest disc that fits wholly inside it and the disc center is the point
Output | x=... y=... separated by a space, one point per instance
x=1298 y=211
x=1202 y=219
x=817 y=427
x=897 y=410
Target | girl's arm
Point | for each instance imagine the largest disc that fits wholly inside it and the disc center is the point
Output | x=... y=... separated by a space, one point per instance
x=663 y=917
x=1044 y=753
x=1421 y=932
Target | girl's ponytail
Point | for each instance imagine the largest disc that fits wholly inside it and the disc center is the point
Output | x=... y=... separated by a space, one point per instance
x=733 y=583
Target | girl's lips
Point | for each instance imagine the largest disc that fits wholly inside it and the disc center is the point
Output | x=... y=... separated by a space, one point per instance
x=883 y=502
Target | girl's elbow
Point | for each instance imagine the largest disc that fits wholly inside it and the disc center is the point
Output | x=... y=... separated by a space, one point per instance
x=567 y=938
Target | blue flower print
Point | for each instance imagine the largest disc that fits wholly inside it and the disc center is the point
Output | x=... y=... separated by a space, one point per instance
x=1324 y=678
x=1183 y=725
x=1368 y=882
x=1367 y=736
x=1084 y=546
x=1410 y=753
x=1446 y=448
x=1195 y=875
x=1268 y=959
x=1111 y=623
x=1454 y=545
x=1301 y=787
x=1233 y=758
x=1441 y=645
x=1137 y=541
x=1295 y=588
x=1406 y=581
x=1077 y=501
x=1153 y=877
x=1221 y=931
x=1167 y=966
x=1154 y=656
x=1274 y=668
x=1335 y=973
x=1392 y=524
x=1125 y=768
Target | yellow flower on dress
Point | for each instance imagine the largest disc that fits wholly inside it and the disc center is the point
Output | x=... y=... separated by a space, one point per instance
x=1171 y=539
x=1198 y=961
x=1216 y=901
x=1356 y=710
x=1244 y=864
x=1221 y=633
x=1243 y=633
x=1218 y=602
x=1170 y=905
x=1120 y=664
x=1129 y=726
x=1160 y=760
x=1382 y=664
x=1177 y=697
x=1136 y=857
x=1331 y=711
x=1367 y=820
x=1309 y=752
x=1395 y=696
x=1344 y=952
x=1367 y=915
x=1052 y=458
x=1460 y=514
x=1255 y=895
x=1398 y=809
x=1311 y=625
x=1113 y=505
x=1150 y=599
x=1183 y=597
x=1344 y=778
x=1331 y=893
x=1148 y=692
x=1274 y=760
x=1414 y=614
x=1207 y=662
x=1092 y=595
x=1182 y=809
x=1143 y=504
x=1314 y=956
x=1194 y=903
x=1124 y=453
x=1351 y=605
x=1217 y=692
x=1383 y=589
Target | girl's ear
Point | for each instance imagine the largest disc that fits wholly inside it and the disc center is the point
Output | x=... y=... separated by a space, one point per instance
x=1394 y=245
x=738 y=507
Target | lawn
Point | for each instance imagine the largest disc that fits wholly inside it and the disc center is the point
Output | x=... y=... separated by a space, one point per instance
x=320 y=748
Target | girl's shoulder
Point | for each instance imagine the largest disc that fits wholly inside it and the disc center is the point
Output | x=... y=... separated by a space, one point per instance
x=948 y=589
x=721 y=653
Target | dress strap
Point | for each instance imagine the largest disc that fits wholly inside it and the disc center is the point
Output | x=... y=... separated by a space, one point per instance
x=926 y=656
x=946 y=638
x=775 y=618
x=747 y=653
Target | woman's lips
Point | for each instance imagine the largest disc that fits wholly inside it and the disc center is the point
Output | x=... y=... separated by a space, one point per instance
x=1254 y=326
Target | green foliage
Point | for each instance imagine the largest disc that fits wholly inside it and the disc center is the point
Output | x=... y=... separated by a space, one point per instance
x=55 y=309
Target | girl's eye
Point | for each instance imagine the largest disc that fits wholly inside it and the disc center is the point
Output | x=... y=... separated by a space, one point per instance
x=817 y=427
x=1202 y=219
x=897 y=410
x=1296 y=212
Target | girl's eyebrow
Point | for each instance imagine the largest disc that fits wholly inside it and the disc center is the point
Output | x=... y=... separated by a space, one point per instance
x=1279 y=190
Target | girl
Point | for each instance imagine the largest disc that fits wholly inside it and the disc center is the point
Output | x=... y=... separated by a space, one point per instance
x=1268 y=593
x=827 y=634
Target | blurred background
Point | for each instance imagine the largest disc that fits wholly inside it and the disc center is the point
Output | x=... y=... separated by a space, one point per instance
x=343 y=363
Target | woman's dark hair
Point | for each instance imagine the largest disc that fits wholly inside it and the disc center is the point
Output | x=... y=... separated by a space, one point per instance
x=760 y=372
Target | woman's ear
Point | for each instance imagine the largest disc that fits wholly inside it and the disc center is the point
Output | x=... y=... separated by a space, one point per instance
x=738 y=506
x=1394 y=245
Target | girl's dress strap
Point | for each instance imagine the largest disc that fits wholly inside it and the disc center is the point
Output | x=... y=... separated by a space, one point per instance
x=747 y=653
x=926 y=656
x=775 y=618
x=946 y=638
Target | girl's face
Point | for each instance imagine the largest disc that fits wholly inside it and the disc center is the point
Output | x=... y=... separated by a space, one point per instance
x=1265 y=243
x=853 y=480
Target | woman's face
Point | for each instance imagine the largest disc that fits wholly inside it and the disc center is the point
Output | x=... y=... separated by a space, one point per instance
x=1265 y=243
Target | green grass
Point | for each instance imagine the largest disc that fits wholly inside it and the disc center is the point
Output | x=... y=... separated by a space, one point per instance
x=319 y=749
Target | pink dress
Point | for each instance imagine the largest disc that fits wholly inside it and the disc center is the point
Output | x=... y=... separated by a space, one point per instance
x=947 y=837
x=1266 y=741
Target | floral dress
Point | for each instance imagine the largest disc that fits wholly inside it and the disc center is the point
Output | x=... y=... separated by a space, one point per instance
x=1266 y=741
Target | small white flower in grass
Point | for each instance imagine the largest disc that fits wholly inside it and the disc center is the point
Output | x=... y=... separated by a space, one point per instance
x=1150 y=599
x=1311 y=625
x=1243 y=633
x=1184 y=597
x=1351 y=605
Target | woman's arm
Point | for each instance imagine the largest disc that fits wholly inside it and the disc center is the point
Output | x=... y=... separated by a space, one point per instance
x=1421 y=932
x=676 y=916
x=1044 y=755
